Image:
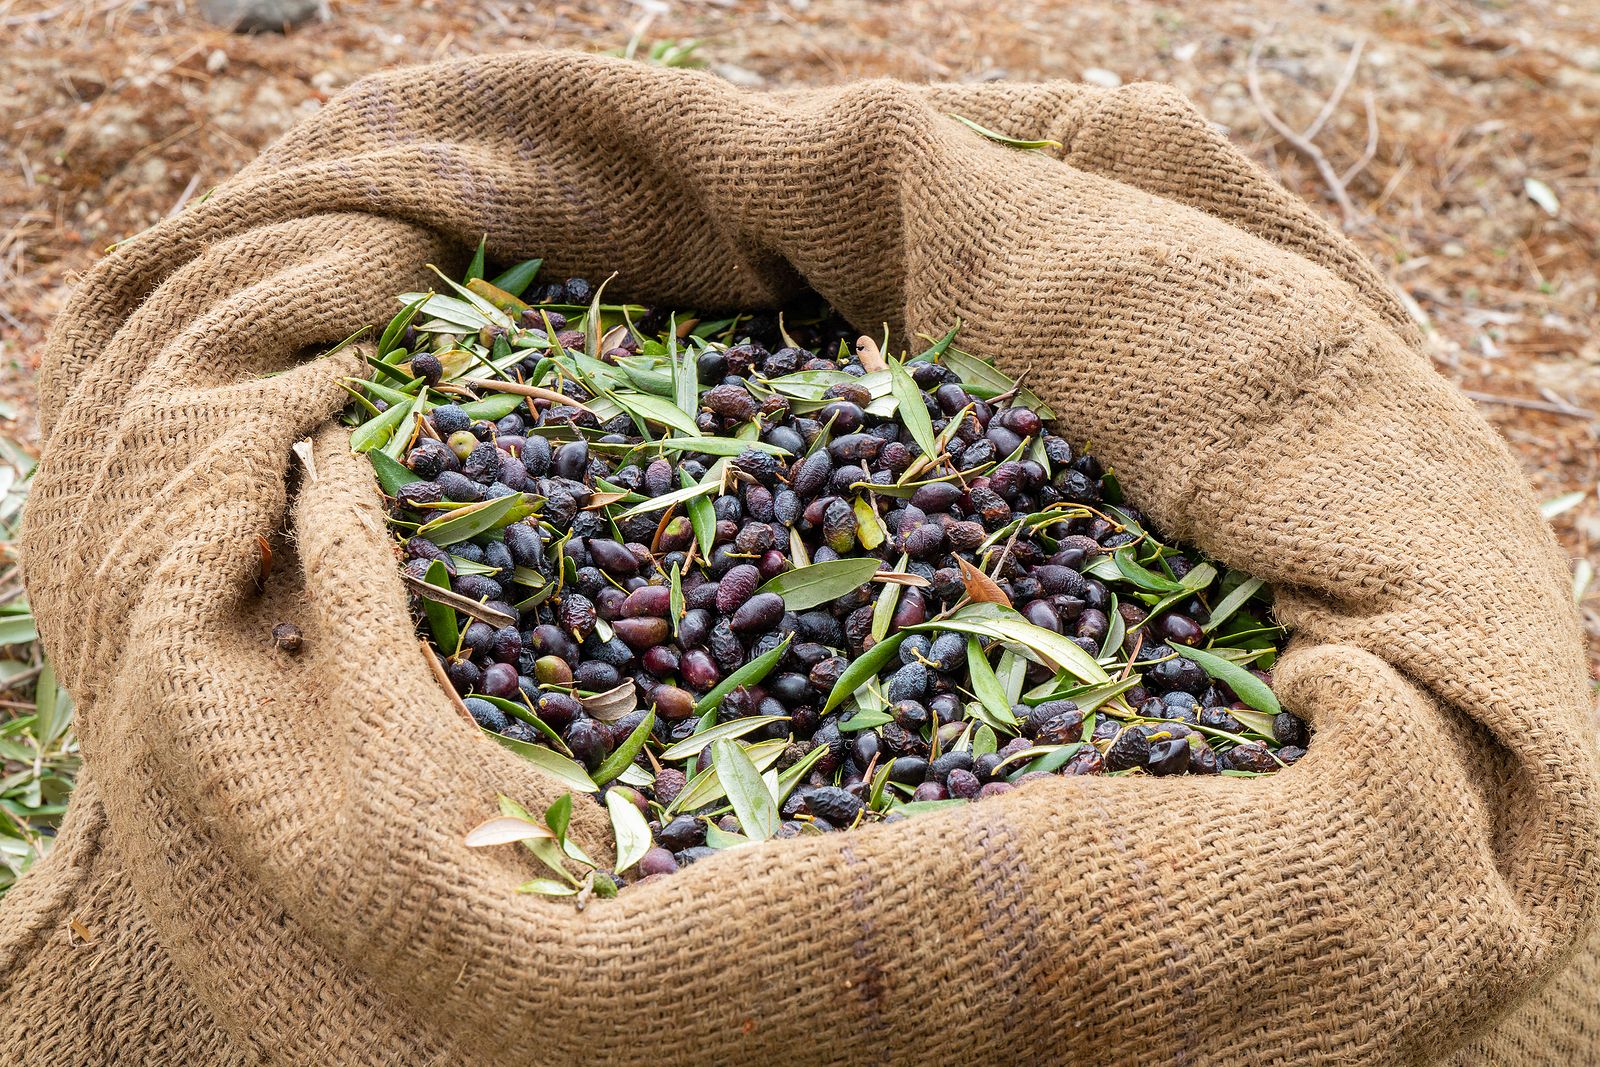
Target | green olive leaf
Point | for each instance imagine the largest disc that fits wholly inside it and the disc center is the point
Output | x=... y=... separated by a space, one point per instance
x=397 y=326
x=628 y=826
x=558 y=816
x=375 y=432
x=1246 y=686
x=441 y=617
x=696 y=743
x=986 y=686
x=475 y=268
x=924 y=807
x=1141 y=576
x=751 y=800
x=912 y=409
x=1231 y=603
x=517 y=279
x=707 y=788
x=865 y=719
x=862 y=669
x=494 y=407
x=749 y=674
x=391 y=473
x=1000 y=138
x=820 y=583
x=675 y=596
x=685 y=373
x=474 y=519
x=717 y=446
x=666 y=500
x=566 y=771
x=659 y=410
x=624 y=754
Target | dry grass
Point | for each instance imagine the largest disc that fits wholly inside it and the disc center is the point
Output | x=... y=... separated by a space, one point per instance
x=118 y=112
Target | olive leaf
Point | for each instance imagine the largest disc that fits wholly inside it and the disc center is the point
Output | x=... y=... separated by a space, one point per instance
x=975 y=372
x=717 y=446
x=391 y=474
x=802 y=557
x=685 y=373
x=1199 y=577
x=558 y=816
x=675 y=603
x=453 y=312
x=441 y=617
x=492 y=315
x=667 y=500
x=1047 y=758
x=869 y=527
x=986 y=686
x=1231 y=603
x=431 y=592
x=703 y=517
x=913 y=411
x=1012 y=672
x=1056 y=650
x=718 y=838
x=475 y=268
x=401 y=440
x=493 y=407
x=751 y=800
x=517 y=279
x=865 y=719
x=1246 y=686
x=936 y=349
x=861 y=670
x=1116 y=628
x=820 y=583
x=696 y=743
x=506 y=830
x=612 y=704
x=375 y=432
x=1088 y=698
x=707 y=788
x=748 y=675
x=507 y=302
x=557 y=766
x=628 y=826
x=924 y=807
x=1000 y=138
x=1256 y=721
x=791 y=777
x=620 y=759
x=397 y=326
x=1141 y=576
x=641 y=371
x=888 y=600
x=474 y=519
x=548 y=887
x=980 y=587
x=652 y=408
x=880 y=780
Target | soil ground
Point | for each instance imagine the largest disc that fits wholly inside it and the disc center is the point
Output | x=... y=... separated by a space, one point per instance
x=1479 y=198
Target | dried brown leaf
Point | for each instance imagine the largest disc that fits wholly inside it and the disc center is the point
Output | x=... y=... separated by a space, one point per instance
x=981 y=587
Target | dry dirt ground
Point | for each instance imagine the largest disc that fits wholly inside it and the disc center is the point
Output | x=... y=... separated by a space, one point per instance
x=1462 y=151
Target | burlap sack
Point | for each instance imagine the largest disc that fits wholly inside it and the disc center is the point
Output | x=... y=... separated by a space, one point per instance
x=264 y=863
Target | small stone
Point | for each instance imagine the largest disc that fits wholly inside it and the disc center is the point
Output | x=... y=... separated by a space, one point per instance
x=259 y=16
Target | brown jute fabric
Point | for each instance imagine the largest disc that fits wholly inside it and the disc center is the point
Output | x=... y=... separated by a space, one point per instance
x=264 y=864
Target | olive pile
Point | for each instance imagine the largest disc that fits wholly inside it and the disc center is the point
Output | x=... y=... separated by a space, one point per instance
x=750 y=582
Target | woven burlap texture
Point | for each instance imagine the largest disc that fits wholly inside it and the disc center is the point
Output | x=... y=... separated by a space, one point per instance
x=265 y=863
